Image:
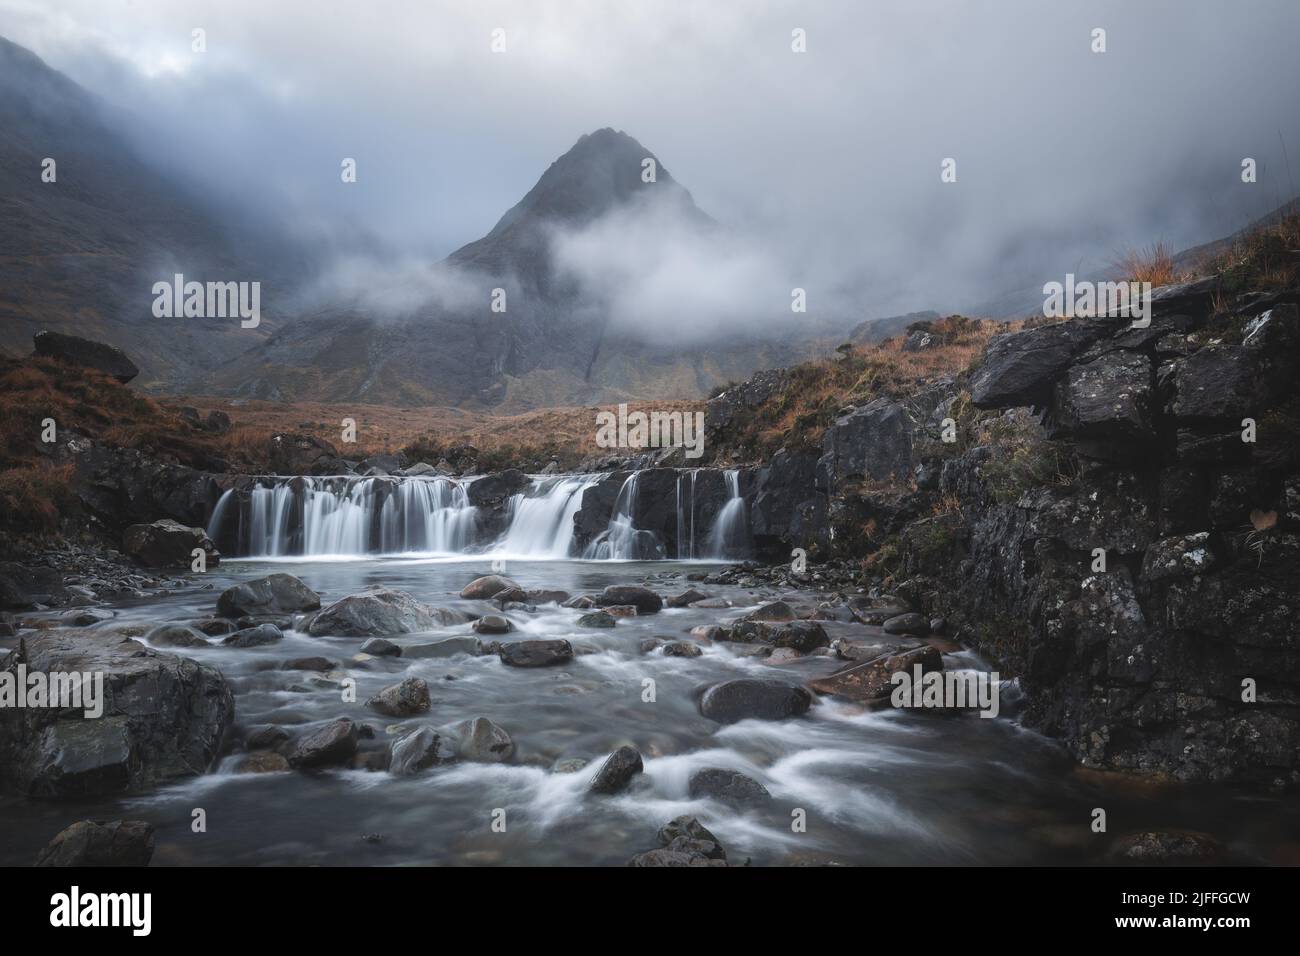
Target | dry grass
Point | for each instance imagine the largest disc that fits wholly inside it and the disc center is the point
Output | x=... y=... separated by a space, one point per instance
x=34 y=497
x=798 y=418
x=1266 y=260
x=1153 y=263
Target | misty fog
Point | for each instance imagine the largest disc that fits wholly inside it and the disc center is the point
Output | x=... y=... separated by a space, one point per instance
x=822 y=167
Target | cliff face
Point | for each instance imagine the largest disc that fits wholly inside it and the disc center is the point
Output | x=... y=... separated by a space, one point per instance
x=1113 y=514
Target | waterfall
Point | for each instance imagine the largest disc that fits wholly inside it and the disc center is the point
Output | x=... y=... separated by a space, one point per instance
x=729 y=536
x=686 y=515
x=541 y=519
x=348 y=516
x=621 y=541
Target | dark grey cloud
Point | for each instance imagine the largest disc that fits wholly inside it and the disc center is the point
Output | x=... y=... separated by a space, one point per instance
x=824 y=166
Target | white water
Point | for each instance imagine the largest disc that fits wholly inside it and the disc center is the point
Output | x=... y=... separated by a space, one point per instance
x=352 y=517
x=730 y=532
x=541 y=519
x=621 y=541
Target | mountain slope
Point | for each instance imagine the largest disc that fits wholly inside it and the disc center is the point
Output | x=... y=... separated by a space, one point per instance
x=81 y=254
x=550 y=346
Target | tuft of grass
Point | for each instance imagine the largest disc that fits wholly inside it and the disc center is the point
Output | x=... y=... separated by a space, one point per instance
x=1153 y=263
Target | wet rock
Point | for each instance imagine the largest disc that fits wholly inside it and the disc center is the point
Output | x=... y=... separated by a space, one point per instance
x=682 y=649
x=745 y=698
x=404 y=699
x=420 y=750
x=536 y=653
x=911 y=623
x=493 y=490
x=686 y=598
x=332 y=744
x=709 y=633
x=871 y=680
x=254 y=636
x=621 y=610
x=100 y=843
x=318 y=664
x=449 y=647
x=643 y=599
x=168 y=544
x=802 y=636
x=481 y=739
x=546 y=596
x=938 y=625
x=492 y=624
x=647 y=645
x=215 y=627
x=378 y=647
x=1166 y=847
x=1178 y=557
x=729 y=786
x=380 y=611
x=686 y=842
x=597 y=619
x=163 y=719
x=581 y=602
x=265 y=737
x=263 y=761
x=273 y=594
x=617 y=771
x=85 y=617
x=175 y=635
x=488 y=587
x=773 y=611
x=85 y=353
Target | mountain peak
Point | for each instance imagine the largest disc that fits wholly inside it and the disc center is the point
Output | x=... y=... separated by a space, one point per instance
x=598 y=174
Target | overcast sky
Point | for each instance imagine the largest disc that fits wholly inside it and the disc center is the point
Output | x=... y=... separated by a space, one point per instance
x=827 y=160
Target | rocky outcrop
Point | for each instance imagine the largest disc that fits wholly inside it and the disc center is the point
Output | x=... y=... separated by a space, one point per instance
x=746 y=698
x=163 y=718
x=1144 y=587
x=86 y=353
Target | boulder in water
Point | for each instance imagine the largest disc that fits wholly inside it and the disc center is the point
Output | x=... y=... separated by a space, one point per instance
x=379 y=611
x=597 y=619
x=643 y=599
x=263 y=761
x=748 y=697
x=334 y=743
x=175 y=635
x=378 y=647
x=536 y=653
x=686 y=842
x=492 y=624
x=274 y=594
x=686 y=598
x=163 y=718
x=871 y=680
x=910 y=623
x=772 y=611
x=404 y=699
x=493 y=490
x=481 y=739
x=168 y=544
x=254 y=636
x=617 y=771
x=488 y=586
x=419 y=750
x=729 y=786
x=682 y=649
x=99 y=843
x=450 y=647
